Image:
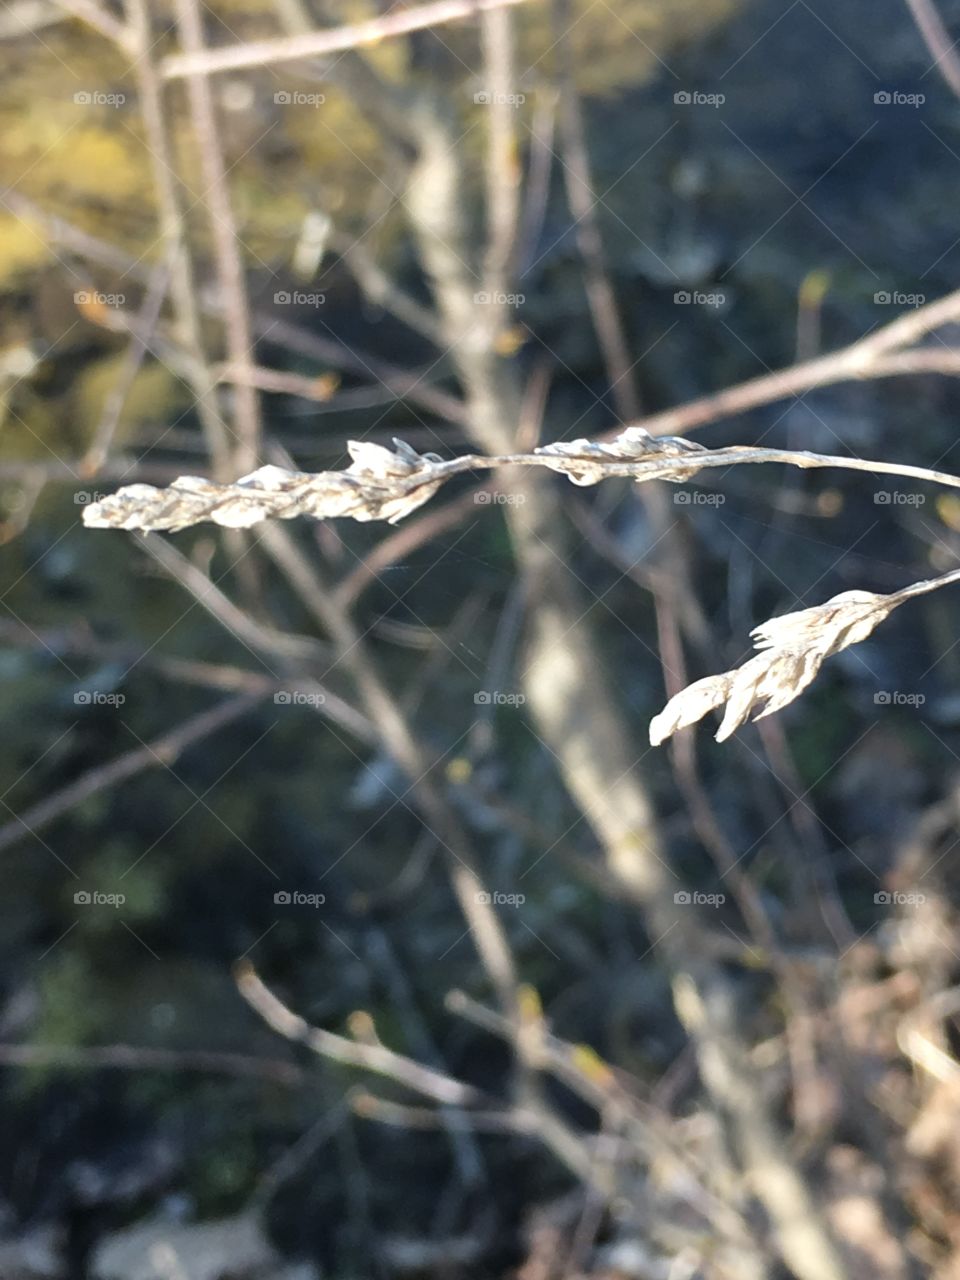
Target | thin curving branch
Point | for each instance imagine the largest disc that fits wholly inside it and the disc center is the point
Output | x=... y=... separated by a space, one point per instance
x=260 y=53
x=384 y=484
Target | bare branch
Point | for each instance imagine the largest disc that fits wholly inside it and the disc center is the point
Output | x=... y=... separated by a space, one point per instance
x=162 y=751
x=132 y=1057
x=370 y=1057
x=259 y=53
x=943 y=50
x=102 y=20
x=230 y=273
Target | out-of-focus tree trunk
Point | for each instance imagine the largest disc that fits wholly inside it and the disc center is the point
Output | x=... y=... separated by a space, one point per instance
x=576 y=714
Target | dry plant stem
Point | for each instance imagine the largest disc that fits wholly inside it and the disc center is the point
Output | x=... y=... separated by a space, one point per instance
x=290 y=384
x=183 y=284
x=101 y=20
x=384 y=292
x=817 y=869
x=943 y=50
x=261 y=53
x=540 y=164
x=131 y=1057
x=598 y=1086
x=402 y=543
x=163 y=751
x=400 y=381
x=464 y=1147
x=485 y=928
x=22 y=17
x=383 y=710
x=237 y=323
x=582 y=200
x=386 y=485
x=252 y=634
x=878 y=355
x=582 y=725
x=396 y=381
x=138 y=348
x=502 y=167
x=370 y=1057
x=370 y=1107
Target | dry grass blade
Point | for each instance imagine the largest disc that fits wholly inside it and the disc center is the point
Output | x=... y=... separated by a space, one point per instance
x=792 y=649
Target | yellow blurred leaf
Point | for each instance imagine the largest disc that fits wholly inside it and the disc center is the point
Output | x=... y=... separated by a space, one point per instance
x=459 y=770
x=531 y=1010
x=948 y=509
x=509 y=341
x=589 y=1063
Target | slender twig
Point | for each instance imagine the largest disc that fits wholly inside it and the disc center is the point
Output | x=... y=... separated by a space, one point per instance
x=226 y=243
x=383 y=290
x=136 y=352
x=943 y=50
x=26 y=17
x=539 y=166
x=131 y=1057
x=583 y=202
x=321 y=387
x=354 y=1053
x=101 y=20
x=260 y=53
x=187 y=326
x=163 y=751
x=251 y=633
x=402 y=543
x=879 y=355
x=502 y=162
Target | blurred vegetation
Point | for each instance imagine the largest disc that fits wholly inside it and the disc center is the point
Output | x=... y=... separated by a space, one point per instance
x=200 y=843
